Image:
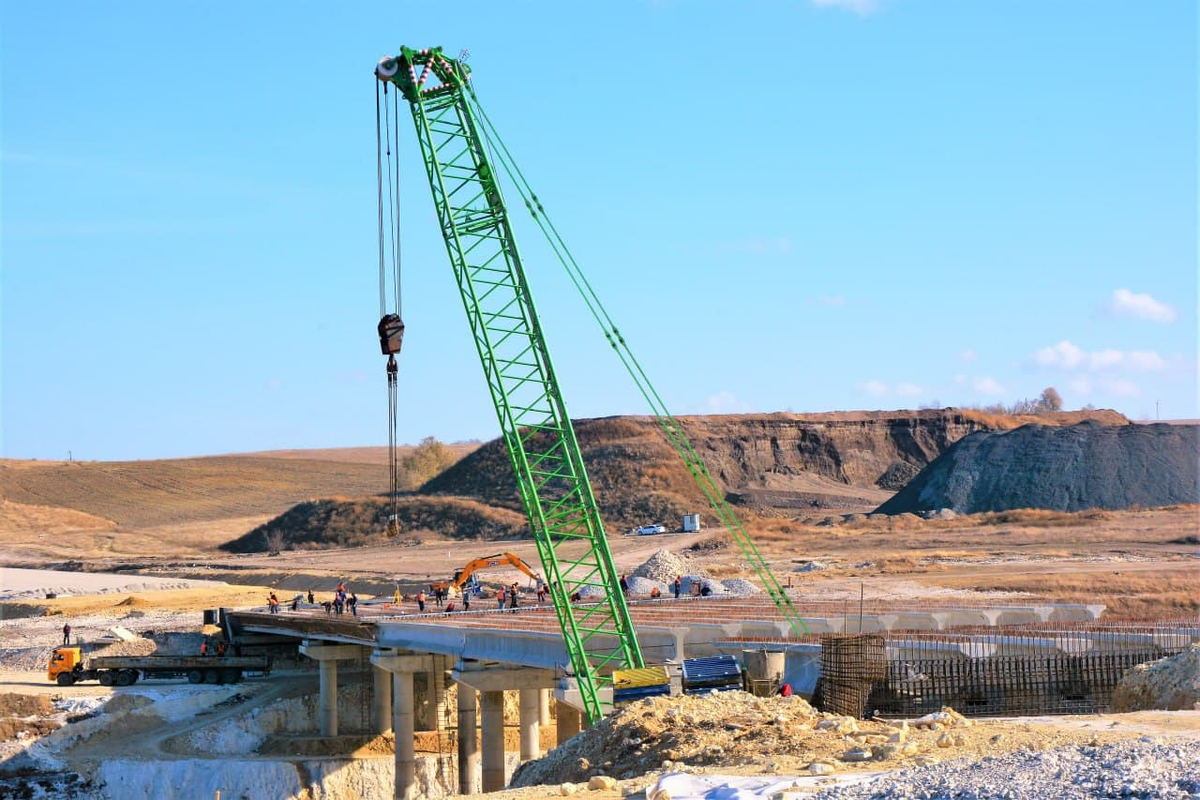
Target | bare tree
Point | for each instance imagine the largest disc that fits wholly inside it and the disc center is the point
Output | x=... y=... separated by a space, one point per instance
x=274 y=540
x=1049 y=401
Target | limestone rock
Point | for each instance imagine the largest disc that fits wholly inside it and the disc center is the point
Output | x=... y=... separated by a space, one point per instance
x=600 y=782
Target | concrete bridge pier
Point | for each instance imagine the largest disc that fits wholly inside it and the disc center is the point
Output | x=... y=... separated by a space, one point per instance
x=402 y=667
x=327 y=656
x=468 y=740
x=569 y=719
x=492 y=682
x=381 y=716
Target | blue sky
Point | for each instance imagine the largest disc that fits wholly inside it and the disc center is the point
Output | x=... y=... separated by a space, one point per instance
x=808 y=205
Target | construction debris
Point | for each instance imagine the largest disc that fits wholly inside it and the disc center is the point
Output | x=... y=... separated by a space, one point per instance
x=1169 y=684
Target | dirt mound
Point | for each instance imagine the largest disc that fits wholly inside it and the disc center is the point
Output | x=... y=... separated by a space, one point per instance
x=24 y=705
x=1073 y=468
x=346 y=523
x=134 y=600
x=1169 y=684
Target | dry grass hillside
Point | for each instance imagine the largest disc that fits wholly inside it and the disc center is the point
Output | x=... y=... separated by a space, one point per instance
x=148 y=493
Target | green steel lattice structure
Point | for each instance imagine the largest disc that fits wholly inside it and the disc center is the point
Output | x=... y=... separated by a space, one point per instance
x=541 y=442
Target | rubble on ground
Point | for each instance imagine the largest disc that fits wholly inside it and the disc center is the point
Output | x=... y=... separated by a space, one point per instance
x=1169 y=684
x=779 y=735
x=740 y=587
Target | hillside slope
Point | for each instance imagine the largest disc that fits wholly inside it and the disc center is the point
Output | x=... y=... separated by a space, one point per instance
x=1065 y=469
x=768 y=461
x=146 y=493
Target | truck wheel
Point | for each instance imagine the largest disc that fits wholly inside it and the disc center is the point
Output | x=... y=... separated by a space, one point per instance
x=230 y=676
x=126 y=677
x=195 y=676
x=65 y=679
x=106 y=678
x=212 y=676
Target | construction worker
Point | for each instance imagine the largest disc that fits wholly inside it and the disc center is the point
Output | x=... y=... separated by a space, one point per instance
x=655 y=593
x=466 y=601
x=66 y=633
x=204 y=647
x=311 y=599
x=678 y=585
x=421 y=602
x=221 y=648
x=513 y=594
x=624 y=586
x=500 y=599
x=353 y=601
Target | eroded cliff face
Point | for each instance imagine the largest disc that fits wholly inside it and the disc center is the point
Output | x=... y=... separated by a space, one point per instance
x=882 y=450
x=781 y=461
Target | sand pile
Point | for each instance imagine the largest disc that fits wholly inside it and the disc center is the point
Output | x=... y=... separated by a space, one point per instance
x=1071 y=468
x=1169 y=684
x=138 y=647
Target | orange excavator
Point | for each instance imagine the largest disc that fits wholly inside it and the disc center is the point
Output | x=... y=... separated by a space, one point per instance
x=464 y=576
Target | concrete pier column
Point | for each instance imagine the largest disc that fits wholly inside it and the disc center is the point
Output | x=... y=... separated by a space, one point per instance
x=530 y=730
x=382 y=713
x=543 y=707
x=328 y=700
x=327 y=655
x=492 y=706
x=468 y=740
x=428 y=710
x=402 y=724
x=569 y=718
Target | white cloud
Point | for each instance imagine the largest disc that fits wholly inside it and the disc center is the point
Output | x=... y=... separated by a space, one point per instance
x=876 y=388
x=1125 y=303
x=860 y=7
x=725 y=402
x=987 y=385
x=968 y=355
x=1069 y=356
x=1063 y=354
x=832 y=300
x=908 y=390
x=1120 y=387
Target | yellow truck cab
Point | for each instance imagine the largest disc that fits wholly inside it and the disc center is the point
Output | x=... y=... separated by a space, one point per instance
x=63 y=662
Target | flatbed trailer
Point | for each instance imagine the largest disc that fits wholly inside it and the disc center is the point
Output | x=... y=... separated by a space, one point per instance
x=68 y=666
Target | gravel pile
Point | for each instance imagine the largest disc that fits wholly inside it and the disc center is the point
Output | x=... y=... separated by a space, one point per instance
x=1069 y=468
x=1137 y=768
x=643 y=586
x=663 y=567
x=740 y=587
x=1169 y=684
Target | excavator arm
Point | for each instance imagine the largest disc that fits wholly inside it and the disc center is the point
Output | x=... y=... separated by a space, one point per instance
x=500 y=559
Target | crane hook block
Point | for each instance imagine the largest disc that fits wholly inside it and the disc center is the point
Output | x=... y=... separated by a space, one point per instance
x=391 y=334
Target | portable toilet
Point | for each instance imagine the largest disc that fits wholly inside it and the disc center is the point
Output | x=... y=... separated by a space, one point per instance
x=691 y=523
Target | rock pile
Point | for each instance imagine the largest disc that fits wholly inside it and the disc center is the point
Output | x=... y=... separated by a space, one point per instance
x=1169 y=684
x=777 y=735
x=740 y=587
x=1138 y=768
x=663 y=567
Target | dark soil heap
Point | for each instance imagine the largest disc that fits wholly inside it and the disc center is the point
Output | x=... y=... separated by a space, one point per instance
x=1073 y=468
